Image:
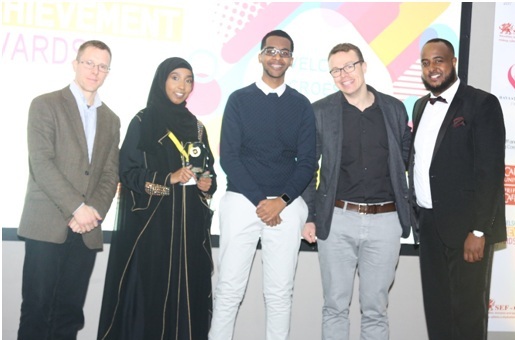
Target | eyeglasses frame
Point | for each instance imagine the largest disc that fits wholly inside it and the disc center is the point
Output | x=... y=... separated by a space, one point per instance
x=276 y=51
x=90 y=65
x=352 y=67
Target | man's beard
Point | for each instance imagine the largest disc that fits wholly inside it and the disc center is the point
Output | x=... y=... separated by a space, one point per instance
x=447 y=82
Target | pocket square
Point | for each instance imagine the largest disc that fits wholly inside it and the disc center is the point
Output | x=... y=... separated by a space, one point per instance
x=458 y=121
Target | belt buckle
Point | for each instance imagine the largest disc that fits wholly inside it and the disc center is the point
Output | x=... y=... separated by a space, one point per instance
x=364 y=210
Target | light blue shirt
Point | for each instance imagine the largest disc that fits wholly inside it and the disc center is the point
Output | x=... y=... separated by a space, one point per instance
x=88 y=115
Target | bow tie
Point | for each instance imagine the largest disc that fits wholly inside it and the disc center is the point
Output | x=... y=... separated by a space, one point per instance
x=432 y=101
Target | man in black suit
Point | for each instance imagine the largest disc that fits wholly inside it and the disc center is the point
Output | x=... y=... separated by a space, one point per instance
x=457 y=191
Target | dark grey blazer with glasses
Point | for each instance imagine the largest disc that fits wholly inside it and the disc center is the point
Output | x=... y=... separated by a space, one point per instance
x=328 y=114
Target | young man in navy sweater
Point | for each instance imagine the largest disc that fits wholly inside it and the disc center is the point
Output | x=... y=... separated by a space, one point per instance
x=267 y=150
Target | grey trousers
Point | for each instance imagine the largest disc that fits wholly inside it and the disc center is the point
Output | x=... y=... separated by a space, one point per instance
x=369 y=244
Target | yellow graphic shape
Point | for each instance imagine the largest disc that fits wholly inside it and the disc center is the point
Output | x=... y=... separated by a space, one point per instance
x=406 y=28
x=135 y=20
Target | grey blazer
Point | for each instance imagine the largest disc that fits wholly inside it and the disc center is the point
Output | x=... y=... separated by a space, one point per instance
x=61 y=176
x=328 y=114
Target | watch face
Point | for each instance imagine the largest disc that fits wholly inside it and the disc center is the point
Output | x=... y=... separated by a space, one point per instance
x=285 y=198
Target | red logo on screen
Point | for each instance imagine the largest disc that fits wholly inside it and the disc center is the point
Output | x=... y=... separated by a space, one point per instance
x=501 y=308
x=507 y=28
x=509 y=184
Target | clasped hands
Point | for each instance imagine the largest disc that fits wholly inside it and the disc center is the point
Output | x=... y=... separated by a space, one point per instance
x=268 y=211
x=85 y=219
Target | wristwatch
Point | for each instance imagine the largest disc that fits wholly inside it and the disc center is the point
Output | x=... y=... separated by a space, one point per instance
x=286 y=199
x=478 y=233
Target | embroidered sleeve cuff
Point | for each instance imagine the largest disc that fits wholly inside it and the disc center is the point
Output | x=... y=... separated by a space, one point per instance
x=156 y=189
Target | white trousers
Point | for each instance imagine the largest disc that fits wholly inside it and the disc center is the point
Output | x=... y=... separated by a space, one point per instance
x=240 y=231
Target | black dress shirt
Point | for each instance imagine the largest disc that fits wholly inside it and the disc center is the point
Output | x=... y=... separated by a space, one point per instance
x=364 y=174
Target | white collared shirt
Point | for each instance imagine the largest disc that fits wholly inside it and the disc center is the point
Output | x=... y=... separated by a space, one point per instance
x=425 y=141
x=267 y=89
x=88 y=115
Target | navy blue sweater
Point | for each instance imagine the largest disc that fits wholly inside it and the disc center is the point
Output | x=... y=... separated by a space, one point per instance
x=267 y=145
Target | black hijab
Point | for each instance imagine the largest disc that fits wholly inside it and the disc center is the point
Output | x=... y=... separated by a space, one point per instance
x=162 y=115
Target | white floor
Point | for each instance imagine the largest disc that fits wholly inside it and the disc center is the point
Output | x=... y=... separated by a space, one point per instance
x=406 y=313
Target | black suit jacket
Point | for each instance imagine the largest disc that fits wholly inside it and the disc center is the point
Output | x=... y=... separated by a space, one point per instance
x=467 y=168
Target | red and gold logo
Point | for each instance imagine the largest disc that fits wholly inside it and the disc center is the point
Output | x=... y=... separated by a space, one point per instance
x=509 y=184
x=507 y=28
x=500 y=308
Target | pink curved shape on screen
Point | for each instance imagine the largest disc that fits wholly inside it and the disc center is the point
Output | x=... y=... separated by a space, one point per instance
x=370 y=18
x=404 y=60
x=205 y=97
x=266 y=20
x=510 y=76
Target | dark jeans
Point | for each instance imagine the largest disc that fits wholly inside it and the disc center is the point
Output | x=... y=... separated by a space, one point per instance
x=456 y=293
x=55 y=283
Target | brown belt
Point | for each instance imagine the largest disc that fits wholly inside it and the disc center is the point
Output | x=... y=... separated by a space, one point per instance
x=364 y=208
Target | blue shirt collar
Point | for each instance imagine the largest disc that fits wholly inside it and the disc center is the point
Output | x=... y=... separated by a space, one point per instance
x=81 y=100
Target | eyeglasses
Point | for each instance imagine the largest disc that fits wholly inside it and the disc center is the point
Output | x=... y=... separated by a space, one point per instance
x=89 y=64
x=272 y=52
x=336 y=72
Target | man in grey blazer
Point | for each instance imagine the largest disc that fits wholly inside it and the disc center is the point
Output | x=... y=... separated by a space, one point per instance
x=73 y=157
x=360 y=209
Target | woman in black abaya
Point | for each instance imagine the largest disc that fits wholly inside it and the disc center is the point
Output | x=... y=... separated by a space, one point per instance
x=158 y=282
